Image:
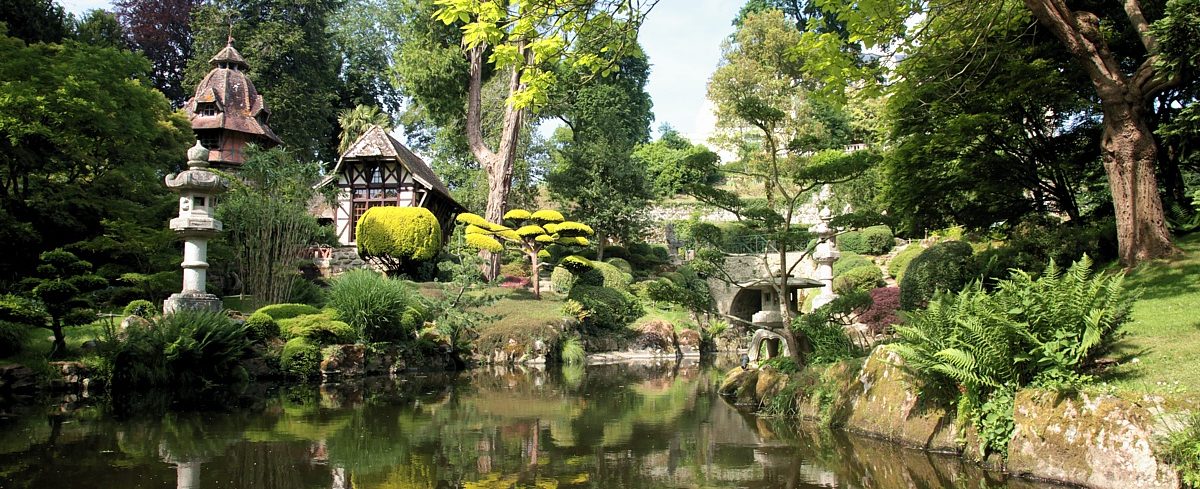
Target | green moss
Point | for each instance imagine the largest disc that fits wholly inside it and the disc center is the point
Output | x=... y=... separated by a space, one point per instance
x=300 y=358
x=287 y=311
x=261 y=326
x=321 y=329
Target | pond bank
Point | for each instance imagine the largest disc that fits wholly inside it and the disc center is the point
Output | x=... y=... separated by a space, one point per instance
x=1091 y=440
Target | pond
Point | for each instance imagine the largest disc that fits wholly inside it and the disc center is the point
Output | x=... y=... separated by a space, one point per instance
x=645 y=425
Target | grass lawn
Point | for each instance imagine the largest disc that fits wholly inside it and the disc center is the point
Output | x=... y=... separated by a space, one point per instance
x=676 y=316
x=1161 y=354
x=37 y=343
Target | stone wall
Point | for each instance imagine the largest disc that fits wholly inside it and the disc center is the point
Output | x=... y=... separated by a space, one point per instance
x=1097 y=441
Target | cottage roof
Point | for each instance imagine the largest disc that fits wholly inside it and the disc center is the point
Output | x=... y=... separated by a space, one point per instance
x=377 y=144
x=239 y=106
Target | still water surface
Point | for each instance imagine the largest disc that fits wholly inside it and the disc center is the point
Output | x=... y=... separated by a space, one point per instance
x=615 y=426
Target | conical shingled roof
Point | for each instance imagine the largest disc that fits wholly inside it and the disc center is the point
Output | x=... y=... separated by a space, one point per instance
x=231 y=56
x=240 y=107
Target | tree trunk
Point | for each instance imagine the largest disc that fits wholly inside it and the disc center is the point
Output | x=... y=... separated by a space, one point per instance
x=1128 y=148
x=1129 y=154
x=535 y=277
x=59 y=349
x=497 y=164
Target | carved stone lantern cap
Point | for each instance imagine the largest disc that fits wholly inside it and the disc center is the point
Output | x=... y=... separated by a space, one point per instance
x=197 y=178
x=197 y=156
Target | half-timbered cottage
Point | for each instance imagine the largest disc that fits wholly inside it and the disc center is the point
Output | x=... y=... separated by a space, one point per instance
x=377 y=170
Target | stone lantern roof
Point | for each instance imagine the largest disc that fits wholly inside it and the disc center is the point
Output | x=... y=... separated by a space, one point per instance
x=227 y=100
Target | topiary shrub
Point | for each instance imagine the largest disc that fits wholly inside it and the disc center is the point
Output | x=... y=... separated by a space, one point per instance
x=261 y=327
x=398 y=238
x=570 y=270
x=851 y=261
x=899 y=263
x=11 y=336
x=615 y=251
x=612 y=277
x=300 y=358
x=621 y=264
x=878 y=240
x=378 y=308
x=946 y=266
x=141 y=308
x=860 y=279
x=602 y=307
x=322 y=329
x=287 y=311
x=852 y=241
x=885 y=302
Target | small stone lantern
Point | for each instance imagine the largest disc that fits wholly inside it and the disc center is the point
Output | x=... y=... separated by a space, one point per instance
x=197 y=188
x=825 y=254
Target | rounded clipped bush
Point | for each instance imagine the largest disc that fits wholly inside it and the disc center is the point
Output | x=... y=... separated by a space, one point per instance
x=603 y=307
x=300 y=358
x=321 y=329
x=613 y=277
x=261 y=327
x=851 y=261
x=287 y=311
x=621 y=264
x=403 y=233
x=852 y=241
x=11 y=335
x=945 y=266
x=141 y=308
x=561 y=280
x=899 y=263
x=878 y=239
x=859 y=279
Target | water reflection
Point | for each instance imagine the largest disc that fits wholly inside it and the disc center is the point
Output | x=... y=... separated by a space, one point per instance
x=647 y=425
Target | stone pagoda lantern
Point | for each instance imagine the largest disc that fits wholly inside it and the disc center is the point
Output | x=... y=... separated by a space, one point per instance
x=197 y=188
x=825 y=254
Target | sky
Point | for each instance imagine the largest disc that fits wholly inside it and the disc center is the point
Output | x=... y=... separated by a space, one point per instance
x=682 y=38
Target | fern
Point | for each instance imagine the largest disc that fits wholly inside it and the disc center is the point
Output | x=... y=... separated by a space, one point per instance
x=983 y=347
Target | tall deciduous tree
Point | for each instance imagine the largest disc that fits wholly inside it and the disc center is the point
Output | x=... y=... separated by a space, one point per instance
x=34 y=20
x=63 y=154
x=1126 y=76
x=768 y=117
x=1010 y=134
x=593 y=172
x=521 y=38
x=672 y=162
x=161 y=31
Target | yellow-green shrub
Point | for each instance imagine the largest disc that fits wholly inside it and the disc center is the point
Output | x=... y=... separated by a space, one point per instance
x=286 y=311
x=398 y=237
x=300 y=358
x=321 y=329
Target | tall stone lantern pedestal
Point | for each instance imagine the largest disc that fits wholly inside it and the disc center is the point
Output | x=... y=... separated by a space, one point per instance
x=197 y=188
x=824 y=256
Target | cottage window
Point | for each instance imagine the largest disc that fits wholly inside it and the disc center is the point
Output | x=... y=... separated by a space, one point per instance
x=211 y=142
x=207 y=109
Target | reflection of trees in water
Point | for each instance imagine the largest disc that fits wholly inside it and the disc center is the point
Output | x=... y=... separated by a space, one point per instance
x=607 y=426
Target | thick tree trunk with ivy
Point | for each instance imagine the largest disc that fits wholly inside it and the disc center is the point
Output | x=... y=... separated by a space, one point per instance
x=1128 y=148
x=499 y=163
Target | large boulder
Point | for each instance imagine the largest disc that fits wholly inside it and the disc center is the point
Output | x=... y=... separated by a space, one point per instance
x=657 y=336
x=341 y=362
x=17 y=379
x=885 y=402
x=1088 y=440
